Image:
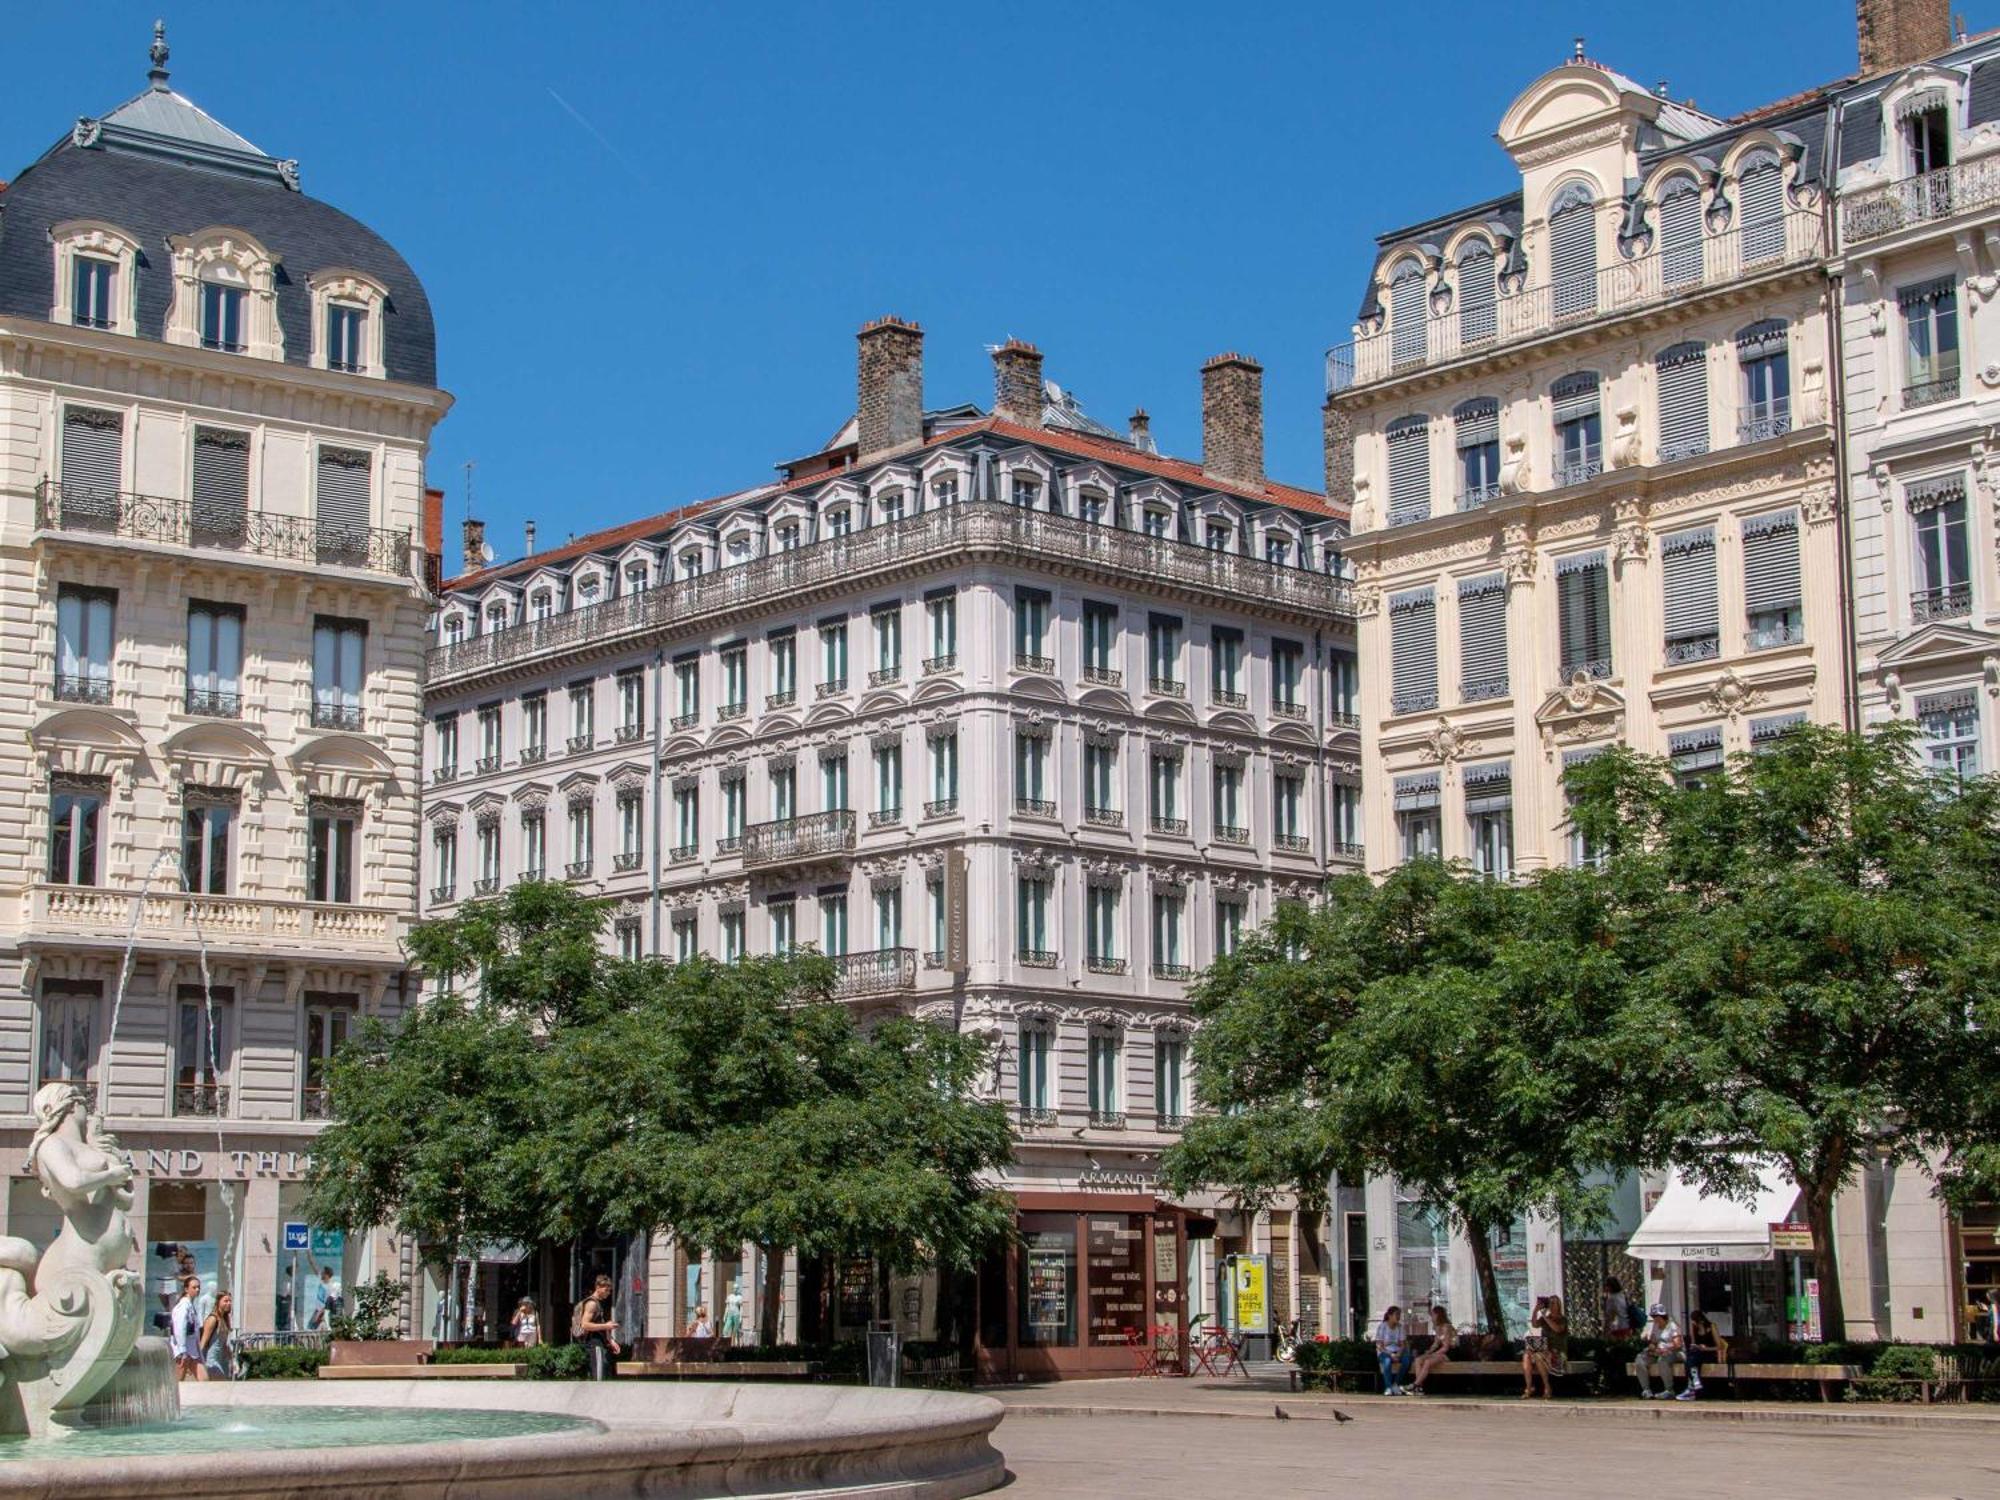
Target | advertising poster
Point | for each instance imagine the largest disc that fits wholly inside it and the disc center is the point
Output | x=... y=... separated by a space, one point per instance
x=1250 y=1278
x=1048 y=1294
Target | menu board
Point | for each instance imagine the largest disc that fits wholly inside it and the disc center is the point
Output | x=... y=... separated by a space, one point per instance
x=1166 y=1272
x=1117 y=1281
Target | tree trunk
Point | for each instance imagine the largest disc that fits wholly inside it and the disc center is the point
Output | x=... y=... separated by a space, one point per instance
x=1826 y=1260
x=1489 y=1287
x=774 y=1295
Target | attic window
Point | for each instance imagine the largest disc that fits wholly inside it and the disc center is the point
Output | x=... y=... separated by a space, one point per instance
x=94 y=268
x=348 y=311
x=839 y=522
x=541 y=604
x=586 y=587
x=691 y=563
x=222 y=317
x=94 y=295
x=346 y=331
x=635 y=578
x=1926 y=124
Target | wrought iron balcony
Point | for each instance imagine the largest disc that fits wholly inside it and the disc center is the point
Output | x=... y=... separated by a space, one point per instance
x=833 y=687
x=1291 y=843
x=729 y=844
x=1577 y=465
x=486 y=763
x=203 y=1100
x=215 y=703
x=1229 y=698
x=577 y=869
x=1924 y=199
x=1933 y=392
x=1104 y=676
x=1762 y=420
x=683 y=721
x=1163 y=970
x=1175 y=826
x=327 y=715
x=1473 y=496
x=1952 y=602
x=487 y=886
x=627 y=860
x=683 y=854
x=730 y=712
x=1108 y=1119
x=1382 y=352
x=1027 y=661
x=885 y=817
x=968 y=531
x=1037 y=1114
x=883 y=676
x=179 y=523
x=935 y=665
x=942 y=807
x=534 y=755
x=934 y=958
x=578 y=743
x=1035 y=958
x=530 y=874
x=1340 y=719
x=1100 y=965
x=784 y=699
x=1285 y=709
x=1481 y=689
x=1593 y=670
x=1693 y=648
x=1034 y=807
x=74 y=687
x=628 y=734
x=1352 y=853
x=880 y=971
x=1228 y=833
x=1782 y=628
x=1104 y=817
x=1413 y=702
x=1166 y=1120
x=815 y=836
x=1166 y=687
x=443 y=892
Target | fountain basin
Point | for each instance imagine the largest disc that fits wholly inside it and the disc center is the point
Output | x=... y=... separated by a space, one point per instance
x=677 y=1439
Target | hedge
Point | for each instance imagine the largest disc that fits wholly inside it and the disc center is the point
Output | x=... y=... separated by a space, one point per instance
x=282 y=1362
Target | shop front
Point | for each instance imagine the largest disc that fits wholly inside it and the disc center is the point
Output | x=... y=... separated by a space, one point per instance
x=1748 y=1265
x=1090 y=1281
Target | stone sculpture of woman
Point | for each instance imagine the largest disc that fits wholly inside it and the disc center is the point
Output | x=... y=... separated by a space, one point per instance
x=88 y=1175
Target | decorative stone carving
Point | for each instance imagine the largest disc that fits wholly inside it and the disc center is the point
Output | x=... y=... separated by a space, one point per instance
x=1630 y=540
x=1514 y=476
x=1818 y=505
x=1445 y=743
x=1625 y=437
x=1731 y=696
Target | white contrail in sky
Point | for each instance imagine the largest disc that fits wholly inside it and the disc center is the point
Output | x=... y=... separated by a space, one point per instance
x=599 y=136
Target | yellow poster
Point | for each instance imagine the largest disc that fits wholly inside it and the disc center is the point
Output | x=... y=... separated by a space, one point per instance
x=1252 y=1308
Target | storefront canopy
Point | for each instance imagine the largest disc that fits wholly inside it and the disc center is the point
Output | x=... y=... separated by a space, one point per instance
x=1688 y=1224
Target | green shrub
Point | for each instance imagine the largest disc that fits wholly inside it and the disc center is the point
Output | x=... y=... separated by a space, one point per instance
x=282 y=1362
x=553 y=1362
x=1324 y=1366
x=372 y=1309
x=468 y=1354
x=1897 y=1374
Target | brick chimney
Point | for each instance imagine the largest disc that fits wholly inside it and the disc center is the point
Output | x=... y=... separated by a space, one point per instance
x=1232 y=419
x=1142 y=431
x=1017 y=383
x=889 y=404
x=1895 y=33
x=475 y=545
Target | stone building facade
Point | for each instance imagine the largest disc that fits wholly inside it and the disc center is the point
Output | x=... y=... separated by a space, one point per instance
x=215 y=398
x=1013 y=663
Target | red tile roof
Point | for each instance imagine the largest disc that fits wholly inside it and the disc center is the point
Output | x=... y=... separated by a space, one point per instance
x=1082 y=445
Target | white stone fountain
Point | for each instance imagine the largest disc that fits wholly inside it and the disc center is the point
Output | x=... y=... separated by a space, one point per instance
x=70 y=1351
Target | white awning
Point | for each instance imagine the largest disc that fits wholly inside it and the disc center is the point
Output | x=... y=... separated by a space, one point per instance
x=1688 y=1224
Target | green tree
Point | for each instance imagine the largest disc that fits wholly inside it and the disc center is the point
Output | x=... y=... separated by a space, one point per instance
x=1822 y=985
x=1465 y=1036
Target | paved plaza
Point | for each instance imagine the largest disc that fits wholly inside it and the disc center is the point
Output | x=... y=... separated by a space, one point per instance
x=1459 y=1449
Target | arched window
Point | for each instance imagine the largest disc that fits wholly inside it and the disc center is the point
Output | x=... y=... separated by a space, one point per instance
x=1573 y=251
x=1406 y=313
x=1680 y=232
x=1475 y=428
x=1682 y=378
x=1760 y=194
x=1409 y=470
x=1579 y=429
x=1476 y=292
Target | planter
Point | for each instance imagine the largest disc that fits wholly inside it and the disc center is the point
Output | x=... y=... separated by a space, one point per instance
x=380 y=1351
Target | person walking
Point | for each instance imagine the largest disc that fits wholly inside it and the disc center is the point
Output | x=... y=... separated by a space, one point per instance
x=701 y=1328
x=1618 y=1313
x=218 y=1340
x=325 y=1300
x=1545 y=1348
x=1443 y=1336
x=184 y=1330
x=597 y=1330
x=1392 y=1351
x=526 y=1328
x=1662 y=1346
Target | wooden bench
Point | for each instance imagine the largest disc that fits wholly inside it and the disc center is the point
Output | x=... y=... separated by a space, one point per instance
x=1823 y=1376
x=709 y=1369
x=418 y=1372
x=1472 y=1368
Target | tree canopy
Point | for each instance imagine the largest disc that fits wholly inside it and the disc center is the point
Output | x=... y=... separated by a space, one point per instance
x=549 y=1090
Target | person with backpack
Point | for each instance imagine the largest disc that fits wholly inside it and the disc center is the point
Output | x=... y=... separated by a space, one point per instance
x=218 y=1333
x=595 y=1328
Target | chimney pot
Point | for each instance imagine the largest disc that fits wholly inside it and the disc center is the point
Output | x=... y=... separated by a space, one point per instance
x=1232 y=419
x=1142 y=431
x=475 y=544
x=531 y=540
x=1017 y=383
x=1895 y=33
x=889 y=373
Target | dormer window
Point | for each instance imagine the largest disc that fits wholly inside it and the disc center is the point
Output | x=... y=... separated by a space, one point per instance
x=1217 y=538
x=635 y=578
x=945 y=491
x=346 y=335
x=586 y=588
x=788 y=536
x=454 y=629
x=541 y=605
x=496 y=618
x=1926 y=122
x=1278 y=550
x=691 y=563
x=892 y=506
x=1093 y=507
x=1157 y=522
x=839 y=522
x=1024 y=492
x=93 y=297
x=222 y=317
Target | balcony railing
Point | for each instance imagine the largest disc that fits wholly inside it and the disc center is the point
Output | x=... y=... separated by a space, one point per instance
x=208 y=1101
x=1353 y=853
x=885 y=817
x=1228 y=833
x=1933 y=392
x=880 y=971
x=784 y=699
x=985 y=529
x=1762 y=420
x=683 y=854
x=729 y=844
x=486 y=886
x=534 y=755
x=1481 y=689
x=1037 y=1114
x=1920 y=200
x=75 y=687
x=214 y=703
x=1473 y=496
x=443 y=892
x=1288 y=710
x=1229 y=698
x=1108 y=1119
x=934 y=665
x=628 y=734
x=530 y=875
x=579 y=743
x=728 y=713
x=1952 y=602
x=1166 y=687
x=1169 y=970
x=1170 y=1121
x=1291 y=843
x=833 y=687
x=883 y=676
x=942 y=807
x=178 y=523
x=1578 y=465
x=1626 y=286
x=1027 y=661
x=236 y=922
x=1099 y=965
x=1342 y=719
x=1175 y=826
x=486 y=764
x=1035 y=807
x=683 y=721
x=577 y=869
x=1104 y=817
x=1104 y=676
x=1413 y=702
x=789 y=840
x=327 y=715
x=1035 y=958
x=1781 y=629
x=1693 y=648
x=627 y=860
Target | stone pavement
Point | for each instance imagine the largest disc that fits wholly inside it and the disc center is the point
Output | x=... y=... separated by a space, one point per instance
x=1111 y=1440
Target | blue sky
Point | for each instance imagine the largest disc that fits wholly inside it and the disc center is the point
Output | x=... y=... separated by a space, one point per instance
x=651 y=230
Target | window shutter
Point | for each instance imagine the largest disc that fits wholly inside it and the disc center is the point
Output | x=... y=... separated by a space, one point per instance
x=1688 y=582
x=343 y=506
x=1406 y=314
x=1762 y=339
x=1413 y=651
x=1982 y=94
x=1476 y=294
x=1760 y=193
x=1476 y=422
x=1575 y=396
x=1417 y=793
x=1861 y=132
x=1573 y=252
x=1771 y=562
x=1696 y=749
x=1928 y=494
x=221 y=486
x=1482 y=637
x=1409 y=470
x=1489 y=788
x=1680 y=233
x=1584 y=602
x=93 y=447
x=1682 y=372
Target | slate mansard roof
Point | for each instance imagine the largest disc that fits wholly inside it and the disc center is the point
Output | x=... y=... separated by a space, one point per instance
x=159 y=166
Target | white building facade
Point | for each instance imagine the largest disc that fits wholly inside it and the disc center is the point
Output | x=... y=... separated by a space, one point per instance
x=215 y=399
x=1113 y=689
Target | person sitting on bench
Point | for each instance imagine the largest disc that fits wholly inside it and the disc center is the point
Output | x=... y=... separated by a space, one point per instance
x=1443 y=1336
x=1392 y=1351
x=1661 y=1348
